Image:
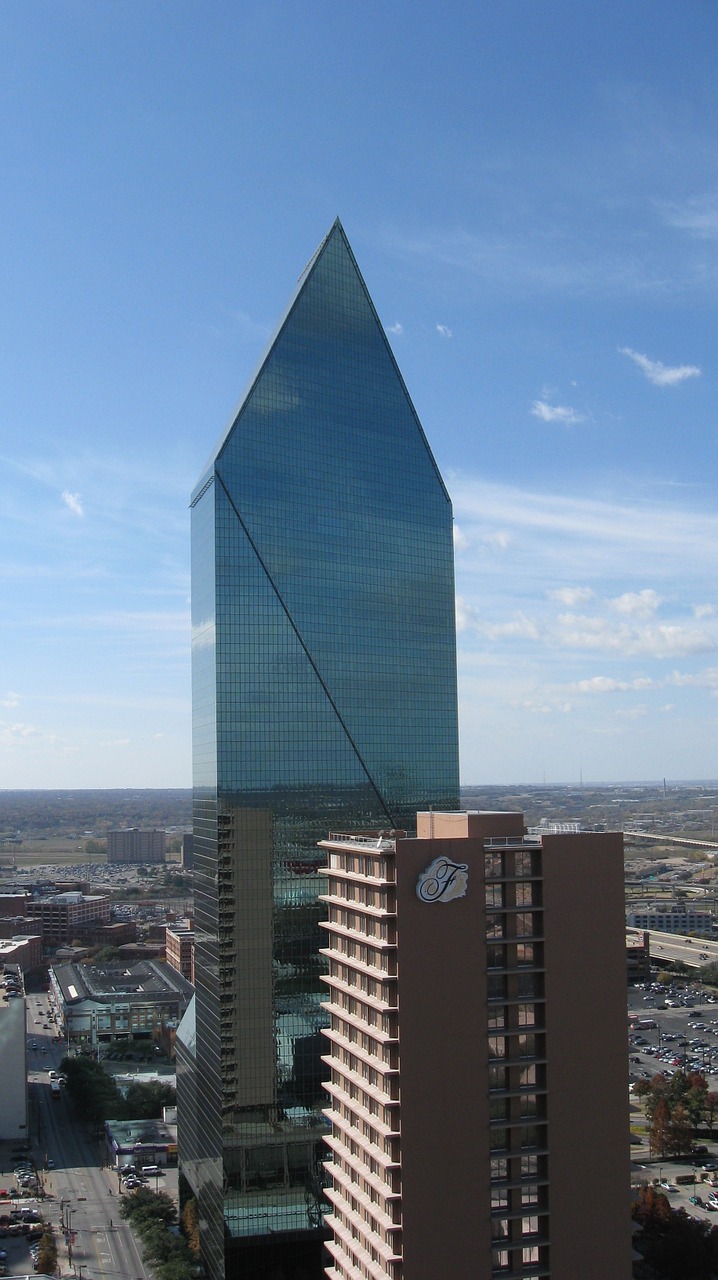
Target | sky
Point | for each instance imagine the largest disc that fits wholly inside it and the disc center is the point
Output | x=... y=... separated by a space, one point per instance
x=531 y=191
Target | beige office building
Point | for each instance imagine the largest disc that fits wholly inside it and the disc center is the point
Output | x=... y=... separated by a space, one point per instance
x=467 y=996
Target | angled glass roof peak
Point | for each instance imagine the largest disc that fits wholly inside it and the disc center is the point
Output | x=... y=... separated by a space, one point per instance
x=207 y=470
x=335 y=234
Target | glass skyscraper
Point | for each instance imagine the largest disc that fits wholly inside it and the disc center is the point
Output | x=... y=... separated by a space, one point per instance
x=324 y=691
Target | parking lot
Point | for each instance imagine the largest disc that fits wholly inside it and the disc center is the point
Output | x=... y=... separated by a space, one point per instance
x=21 y=1225
x=679 y=1033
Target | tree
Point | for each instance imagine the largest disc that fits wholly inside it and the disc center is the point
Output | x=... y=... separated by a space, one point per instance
x=659 y=1132
x=711 y=1106
x=104 y=955
x=190 y=1226
x=144 y=1205
x=92 y=1090
x=47 y=1253
x=680 y=1131
x=145 y=1101
x=651 y=1208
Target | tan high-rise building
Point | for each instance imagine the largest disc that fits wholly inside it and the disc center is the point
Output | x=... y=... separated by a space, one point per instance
x=477 y=978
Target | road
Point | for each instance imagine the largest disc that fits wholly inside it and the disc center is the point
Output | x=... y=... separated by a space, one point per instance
x=83 y=1194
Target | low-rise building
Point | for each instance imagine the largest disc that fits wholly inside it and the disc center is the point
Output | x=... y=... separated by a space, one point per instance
x=117 y=1004
x=668 y=919
x=23 y=950
x=179 y=950
x=62 y=913
x=116 y=934
x=638 y=957
x=141 y=1142
x=133 y=845
x=13 y=904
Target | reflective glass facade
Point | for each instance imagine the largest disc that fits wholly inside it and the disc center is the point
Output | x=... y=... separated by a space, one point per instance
x=324 y=686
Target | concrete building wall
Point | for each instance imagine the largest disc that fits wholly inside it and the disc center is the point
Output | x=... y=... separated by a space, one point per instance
x=13 y=904
x=585 y=994
x=461 y=970
x=443 y=1046
x=13 y=1057
x=22 y=950
x=179 y=951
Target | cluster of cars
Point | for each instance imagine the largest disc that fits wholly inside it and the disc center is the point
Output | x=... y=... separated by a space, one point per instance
x=23 y=1222
x=26 y=1177
x=132 y=1177
x=20 y=1222
x=692 y=1054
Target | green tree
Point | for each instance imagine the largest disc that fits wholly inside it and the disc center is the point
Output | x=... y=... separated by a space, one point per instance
x=144 y=1205
x=104 y=955
x=93 y=1092
x=145 y=1101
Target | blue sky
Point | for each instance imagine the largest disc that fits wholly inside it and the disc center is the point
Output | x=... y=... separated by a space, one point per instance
x=531 y=191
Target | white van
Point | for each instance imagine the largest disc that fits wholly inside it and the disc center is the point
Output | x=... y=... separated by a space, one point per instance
x=150 y=1170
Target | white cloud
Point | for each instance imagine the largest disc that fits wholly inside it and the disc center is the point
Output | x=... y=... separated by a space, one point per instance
x=607 y=684
x=663 y=641
x=706 y=679
x=14 y=735
x=444 y=330
x=518 y=627
x=395 y=328
x=571 y=596
x=544 y=708
x=10 y=700
x=577 y=533
x=500 y=538
x=637 y=604
x=461 y=541
x=72 y=502
x=631 y=713
x=698 y=215
x=704 y=610
x=661 y=375
x=555 y=413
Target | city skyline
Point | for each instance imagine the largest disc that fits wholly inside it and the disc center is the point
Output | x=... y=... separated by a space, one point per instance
x=531 y=193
